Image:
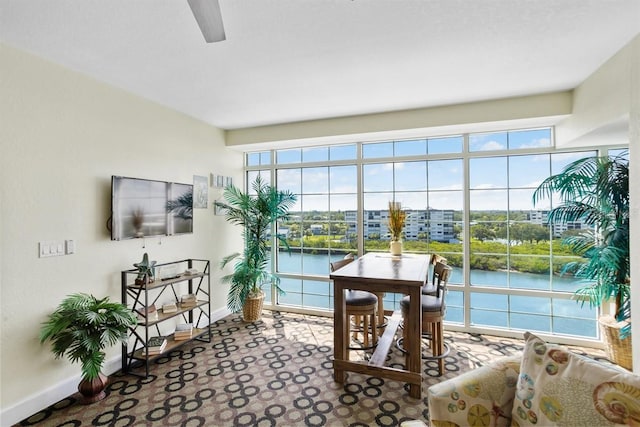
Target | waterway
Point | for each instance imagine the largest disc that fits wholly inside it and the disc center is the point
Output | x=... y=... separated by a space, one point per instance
x=541 y=314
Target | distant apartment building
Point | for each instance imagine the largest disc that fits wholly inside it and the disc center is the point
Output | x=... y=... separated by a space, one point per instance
x=541 y=217
x=432 y=224
x=316 y=229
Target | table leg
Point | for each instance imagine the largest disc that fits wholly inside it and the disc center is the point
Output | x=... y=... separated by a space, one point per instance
x=413 y=357
x=340 y=333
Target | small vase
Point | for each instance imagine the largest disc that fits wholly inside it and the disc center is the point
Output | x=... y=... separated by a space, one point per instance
x=395 y=247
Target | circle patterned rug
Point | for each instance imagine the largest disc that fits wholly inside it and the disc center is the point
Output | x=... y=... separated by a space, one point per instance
x=275 y=372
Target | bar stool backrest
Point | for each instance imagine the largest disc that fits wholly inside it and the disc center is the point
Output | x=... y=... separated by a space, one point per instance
x=441 y=272
x=435 y=258
x=341 y=263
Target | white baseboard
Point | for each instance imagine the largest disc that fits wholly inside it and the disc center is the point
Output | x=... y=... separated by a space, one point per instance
x=49 y=396
x=43 y=398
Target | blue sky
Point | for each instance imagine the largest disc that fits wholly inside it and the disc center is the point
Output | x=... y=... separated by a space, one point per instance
x=495 y=182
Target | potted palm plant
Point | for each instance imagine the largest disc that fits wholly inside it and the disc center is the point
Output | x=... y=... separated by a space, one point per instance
x=82 y=327
x=397 y=218
x=595 y=190
x=256 y=213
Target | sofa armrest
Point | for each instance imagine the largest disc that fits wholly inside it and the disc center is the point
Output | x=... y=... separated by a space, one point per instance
x=483 y=396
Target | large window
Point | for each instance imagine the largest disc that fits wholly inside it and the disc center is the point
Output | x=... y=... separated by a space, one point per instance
x=467 y=197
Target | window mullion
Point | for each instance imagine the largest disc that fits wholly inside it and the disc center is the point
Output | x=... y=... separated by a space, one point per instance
x=466 y=227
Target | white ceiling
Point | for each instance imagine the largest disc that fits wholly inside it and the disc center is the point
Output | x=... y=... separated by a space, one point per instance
x=293 y=60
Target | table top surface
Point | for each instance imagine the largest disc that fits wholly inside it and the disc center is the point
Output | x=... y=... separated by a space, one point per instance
x=380 y=266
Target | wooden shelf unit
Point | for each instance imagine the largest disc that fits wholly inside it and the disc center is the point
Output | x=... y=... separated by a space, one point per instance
x=139 y=296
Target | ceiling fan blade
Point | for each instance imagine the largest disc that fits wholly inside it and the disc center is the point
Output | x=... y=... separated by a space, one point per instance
x=209 y=18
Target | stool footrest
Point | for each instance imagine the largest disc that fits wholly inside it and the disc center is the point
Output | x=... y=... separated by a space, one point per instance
x=444 y=354
x=384 y=343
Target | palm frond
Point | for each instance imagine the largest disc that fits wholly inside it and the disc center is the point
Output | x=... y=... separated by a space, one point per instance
x=83 y=326
x=595 y=190
x=257 y=213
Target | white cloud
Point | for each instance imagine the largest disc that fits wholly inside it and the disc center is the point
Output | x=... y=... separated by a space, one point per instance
x=492 y=145
x=536 y=143
x=484 y=187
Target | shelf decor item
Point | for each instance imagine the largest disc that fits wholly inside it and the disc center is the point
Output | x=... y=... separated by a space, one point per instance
x=82 y=327
x=146 y=270
x=595 y=190
x=257 y=213
x=397 y=219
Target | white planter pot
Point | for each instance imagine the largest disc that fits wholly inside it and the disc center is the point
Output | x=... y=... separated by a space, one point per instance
x=396 y=248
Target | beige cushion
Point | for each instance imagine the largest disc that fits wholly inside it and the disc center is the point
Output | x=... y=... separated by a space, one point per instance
x=557 y=387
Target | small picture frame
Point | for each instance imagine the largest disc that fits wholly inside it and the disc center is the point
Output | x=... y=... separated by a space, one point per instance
x=229 y=181
x=219 y=181
x=217 y=210
x=200 y=192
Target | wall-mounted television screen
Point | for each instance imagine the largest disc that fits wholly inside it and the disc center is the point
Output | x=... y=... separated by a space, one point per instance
x=145 y=208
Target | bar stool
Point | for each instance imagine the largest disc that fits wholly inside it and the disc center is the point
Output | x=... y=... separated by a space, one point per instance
x=433 y=311
x=362 y=305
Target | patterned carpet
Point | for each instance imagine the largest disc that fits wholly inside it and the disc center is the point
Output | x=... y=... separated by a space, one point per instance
x=276 y=372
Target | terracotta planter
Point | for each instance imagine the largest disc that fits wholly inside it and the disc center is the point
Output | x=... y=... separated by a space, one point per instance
x=93 y=391
x=252 y=308
x=395 y=247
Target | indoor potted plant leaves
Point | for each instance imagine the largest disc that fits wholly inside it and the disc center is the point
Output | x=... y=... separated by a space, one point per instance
x=82 y=327
x=256 y=213
x=595 y=190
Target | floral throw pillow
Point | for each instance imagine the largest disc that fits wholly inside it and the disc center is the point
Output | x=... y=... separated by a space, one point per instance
x=480 y=397
x=559 y=388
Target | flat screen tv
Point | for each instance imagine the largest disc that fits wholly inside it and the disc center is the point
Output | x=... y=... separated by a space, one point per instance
x=146 y=208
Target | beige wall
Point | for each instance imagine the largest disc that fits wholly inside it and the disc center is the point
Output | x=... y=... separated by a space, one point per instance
x=62 y=136
x=601 y=104
x=499 y=114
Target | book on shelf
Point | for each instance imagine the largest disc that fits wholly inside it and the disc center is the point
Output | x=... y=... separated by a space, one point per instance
x=156 y=345
x=149 y=313
x=188 y=300
x=169 y=308
x=184 y=331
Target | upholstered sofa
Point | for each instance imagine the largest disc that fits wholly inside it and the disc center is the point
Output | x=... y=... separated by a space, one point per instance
x=547 y=386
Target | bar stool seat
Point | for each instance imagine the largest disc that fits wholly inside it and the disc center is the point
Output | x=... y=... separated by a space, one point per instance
x=359 y=298
x=430 y=304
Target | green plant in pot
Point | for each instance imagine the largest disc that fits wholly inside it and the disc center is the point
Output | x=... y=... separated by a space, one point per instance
x=257 y=213
x=82 y=327
x=595 y=190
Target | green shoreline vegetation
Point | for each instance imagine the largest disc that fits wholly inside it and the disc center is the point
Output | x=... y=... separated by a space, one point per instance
x=490 y=256
x=530 y=250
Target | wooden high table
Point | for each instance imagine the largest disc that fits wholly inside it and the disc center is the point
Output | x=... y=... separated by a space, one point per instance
x=381 y=272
